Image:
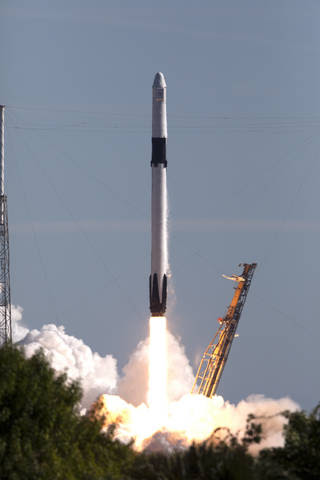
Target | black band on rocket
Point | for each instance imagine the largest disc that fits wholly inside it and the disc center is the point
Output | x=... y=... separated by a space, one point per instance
x=159 y=151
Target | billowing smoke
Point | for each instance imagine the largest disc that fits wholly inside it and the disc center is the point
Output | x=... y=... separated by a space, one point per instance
x=190 y=418
x=133 y=385
x=19 y=331
x=195 y=418
x=68 y=354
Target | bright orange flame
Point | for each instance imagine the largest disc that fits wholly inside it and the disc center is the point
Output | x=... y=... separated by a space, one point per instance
x=158 y=368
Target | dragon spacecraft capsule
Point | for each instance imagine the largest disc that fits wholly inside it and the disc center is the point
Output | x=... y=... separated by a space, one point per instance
x=159 y=203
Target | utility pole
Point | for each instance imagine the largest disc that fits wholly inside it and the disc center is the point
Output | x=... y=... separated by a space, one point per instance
x=5 y=297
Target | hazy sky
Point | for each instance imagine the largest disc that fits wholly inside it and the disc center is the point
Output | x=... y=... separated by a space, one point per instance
x=243 y=175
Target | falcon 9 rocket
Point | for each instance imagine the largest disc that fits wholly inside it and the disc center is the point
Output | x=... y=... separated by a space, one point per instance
x=159 y=204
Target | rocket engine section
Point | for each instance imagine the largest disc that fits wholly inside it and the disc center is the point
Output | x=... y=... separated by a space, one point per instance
x=158 y=305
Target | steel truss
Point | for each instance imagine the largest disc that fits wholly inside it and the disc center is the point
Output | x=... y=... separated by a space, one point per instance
x=5 y=296
x=216 y=354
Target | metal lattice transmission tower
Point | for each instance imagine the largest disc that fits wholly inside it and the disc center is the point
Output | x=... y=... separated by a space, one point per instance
x=5 y=296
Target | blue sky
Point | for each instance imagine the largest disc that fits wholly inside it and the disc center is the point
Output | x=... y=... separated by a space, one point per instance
x=243 y=176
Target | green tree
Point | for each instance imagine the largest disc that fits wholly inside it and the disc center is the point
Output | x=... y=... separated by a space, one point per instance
x=215 y=459
x=42 y=434
x=300 y=456
x=198 y=462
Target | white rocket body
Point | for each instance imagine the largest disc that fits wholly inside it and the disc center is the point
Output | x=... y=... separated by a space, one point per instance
x=159 y=206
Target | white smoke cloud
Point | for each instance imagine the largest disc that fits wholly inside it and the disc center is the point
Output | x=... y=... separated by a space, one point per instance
x=19 y=331
x=133 y=385
x=202 y=416
x=191 y=417
x=180 y=374
x=196 y=418
x=69 y=355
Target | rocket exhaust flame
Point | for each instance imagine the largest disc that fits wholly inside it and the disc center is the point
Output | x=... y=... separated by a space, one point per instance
x=158 y=367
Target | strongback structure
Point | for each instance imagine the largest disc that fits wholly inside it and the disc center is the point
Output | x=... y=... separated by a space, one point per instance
x=216 y=354
x=5 y=298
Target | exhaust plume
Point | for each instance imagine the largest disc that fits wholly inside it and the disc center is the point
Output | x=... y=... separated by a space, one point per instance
x=190 y=417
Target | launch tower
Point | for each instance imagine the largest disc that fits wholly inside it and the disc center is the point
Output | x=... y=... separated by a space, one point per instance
x=216 y=354
x=5 y=299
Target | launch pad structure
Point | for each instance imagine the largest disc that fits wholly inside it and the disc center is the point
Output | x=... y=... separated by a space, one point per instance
x=216 y=354
x=5 y=295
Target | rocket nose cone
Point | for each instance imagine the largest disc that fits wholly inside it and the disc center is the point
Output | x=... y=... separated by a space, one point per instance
x=159 y=81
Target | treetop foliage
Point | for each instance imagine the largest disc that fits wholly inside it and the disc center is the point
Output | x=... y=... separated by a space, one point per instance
x=42 y=434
